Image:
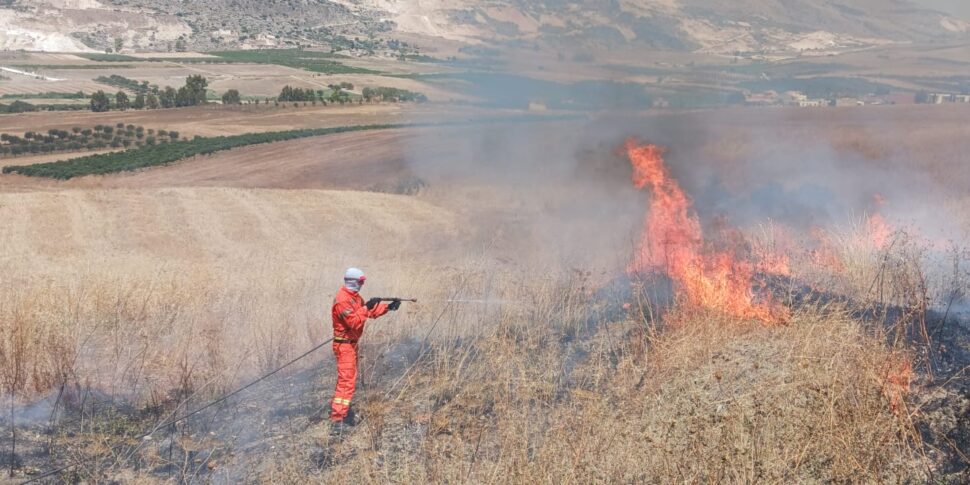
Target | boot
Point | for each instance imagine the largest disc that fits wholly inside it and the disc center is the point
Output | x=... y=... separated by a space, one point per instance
x=351 y=418
x=338 y=429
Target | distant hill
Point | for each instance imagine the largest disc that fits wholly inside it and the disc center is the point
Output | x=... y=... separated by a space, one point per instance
x=364 y=26
x=719 y=26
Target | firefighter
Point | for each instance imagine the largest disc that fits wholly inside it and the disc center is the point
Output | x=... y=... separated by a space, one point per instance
x=349 y=314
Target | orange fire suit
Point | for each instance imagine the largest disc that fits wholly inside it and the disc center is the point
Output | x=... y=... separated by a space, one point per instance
x=349 y=316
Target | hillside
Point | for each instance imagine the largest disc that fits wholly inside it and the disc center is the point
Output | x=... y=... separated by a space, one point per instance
x=695 y=25
x=368 y=27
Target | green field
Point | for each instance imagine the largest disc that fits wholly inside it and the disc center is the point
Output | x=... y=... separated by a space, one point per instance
x=154 y=155
x=108 y=57
x=57 y=67
x=48 y=95
x=314 y=61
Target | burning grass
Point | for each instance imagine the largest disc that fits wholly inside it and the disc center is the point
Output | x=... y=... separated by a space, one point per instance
x=548 y=389
x=709 y=399
x=549 y=379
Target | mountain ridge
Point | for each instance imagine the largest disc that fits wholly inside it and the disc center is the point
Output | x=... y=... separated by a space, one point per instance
x=709 y=26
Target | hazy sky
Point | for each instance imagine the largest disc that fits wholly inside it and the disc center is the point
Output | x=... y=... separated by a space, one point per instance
x=956 y=7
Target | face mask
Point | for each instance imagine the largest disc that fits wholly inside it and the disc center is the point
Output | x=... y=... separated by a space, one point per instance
x=354 y=285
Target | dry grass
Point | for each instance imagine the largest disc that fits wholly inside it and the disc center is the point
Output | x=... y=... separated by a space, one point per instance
x=552 y=385
x=706 y=400
x=547 y=383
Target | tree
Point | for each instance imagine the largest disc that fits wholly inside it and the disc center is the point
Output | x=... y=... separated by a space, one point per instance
x=151 y=101
x=119 y=43
x=339 y=96
x=180 y=45
x=139 y=101
x=195 y=87
x=100 y=102
x=122 y=101
x=184 y=97
x=167 y=97
x=231 y=97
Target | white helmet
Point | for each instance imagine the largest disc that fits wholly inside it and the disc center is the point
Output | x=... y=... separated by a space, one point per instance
x=354 y=279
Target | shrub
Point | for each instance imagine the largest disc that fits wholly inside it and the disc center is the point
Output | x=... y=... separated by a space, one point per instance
x=100 y=102
x=17 y=107
x=231 y=97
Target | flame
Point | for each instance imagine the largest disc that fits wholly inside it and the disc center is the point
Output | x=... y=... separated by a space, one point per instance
x=897 y=383
x=774 y=263
x=879 y=231
x=672 y=242
x=773 y=250
x=825 y=255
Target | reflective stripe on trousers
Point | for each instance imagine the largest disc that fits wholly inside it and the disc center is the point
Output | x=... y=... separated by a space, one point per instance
x=346 y=357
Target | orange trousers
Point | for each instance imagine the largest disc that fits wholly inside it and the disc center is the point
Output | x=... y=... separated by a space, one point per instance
x=346 y=356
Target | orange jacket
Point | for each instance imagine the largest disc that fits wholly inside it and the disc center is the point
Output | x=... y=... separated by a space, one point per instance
x=350 y=314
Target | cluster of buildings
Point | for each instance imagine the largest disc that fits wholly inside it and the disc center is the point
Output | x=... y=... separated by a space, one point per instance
x=940 y=98
x=801 y=100
x=788 y=98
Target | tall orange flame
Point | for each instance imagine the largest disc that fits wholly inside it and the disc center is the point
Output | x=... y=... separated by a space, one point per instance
x=672 y=243
x=879 y=231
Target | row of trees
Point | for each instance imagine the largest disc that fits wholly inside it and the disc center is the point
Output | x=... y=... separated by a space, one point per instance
x=297 y=94
x=99 y=137
x=339 y=95
x=393 y=95
x=17 y=107
x=126 y=83
x=193 y=93
x=160 y=154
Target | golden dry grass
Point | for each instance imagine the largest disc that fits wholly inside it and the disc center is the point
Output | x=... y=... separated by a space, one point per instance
x=537 y=386
x=707 y=400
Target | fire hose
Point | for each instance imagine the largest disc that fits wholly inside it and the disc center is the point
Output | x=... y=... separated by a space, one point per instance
x=226 y=397
x=192 y=413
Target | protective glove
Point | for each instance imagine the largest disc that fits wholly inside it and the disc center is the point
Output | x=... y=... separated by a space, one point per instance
x=372 y=303
x=394 y=305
